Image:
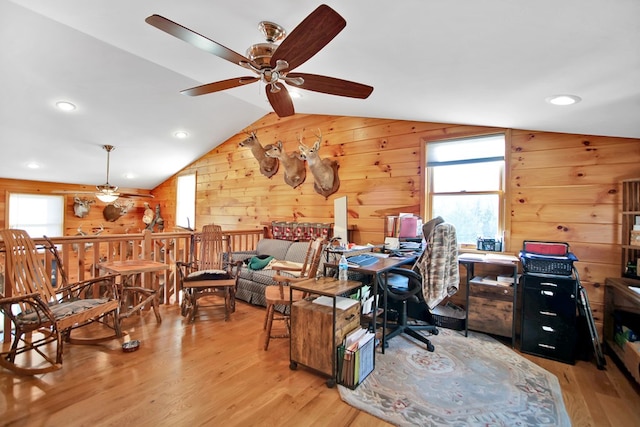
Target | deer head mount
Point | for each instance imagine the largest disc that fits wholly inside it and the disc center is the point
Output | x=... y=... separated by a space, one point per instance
x=94 y=232
x=324 y=171
x=294 y=169
x=268 y=165
x=82 y=206
x=115 y=210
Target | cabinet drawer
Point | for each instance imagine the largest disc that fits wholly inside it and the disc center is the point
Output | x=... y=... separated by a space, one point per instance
x=556 y=284
x=548 y=303
x=549 y=339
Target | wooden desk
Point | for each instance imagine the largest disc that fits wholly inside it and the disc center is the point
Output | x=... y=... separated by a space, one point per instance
x=469 y=261
x=377 y=270
x=619 y=298
x=130 y=271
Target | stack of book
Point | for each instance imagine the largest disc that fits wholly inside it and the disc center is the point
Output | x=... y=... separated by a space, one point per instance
x=355 y=357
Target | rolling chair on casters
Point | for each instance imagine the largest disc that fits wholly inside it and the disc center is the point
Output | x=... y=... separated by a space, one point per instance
x=434 y=277
x=399 y=296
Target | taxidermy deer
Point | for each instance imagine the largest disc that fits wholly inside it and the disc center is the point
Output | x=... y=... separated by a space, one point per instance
x=113 y=211
x=324 y=171
x=94 y=232
x=268 y=165
x=82 y=206
x=294 y=169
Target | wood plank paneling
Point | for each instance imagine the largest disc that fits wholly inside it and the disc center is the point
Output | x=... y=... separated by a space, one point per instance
x=562 y=187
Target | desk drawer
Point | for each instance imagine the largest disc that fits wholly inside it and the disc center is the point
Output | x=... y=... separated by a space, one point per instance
x=491 y=309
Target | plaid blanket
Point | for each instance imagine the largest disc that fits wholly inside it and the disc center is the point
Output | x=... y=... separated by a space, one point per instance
x=438 y=265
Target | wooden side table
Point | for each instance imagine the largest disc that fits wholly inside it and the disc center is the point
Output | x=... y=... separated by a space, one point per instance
x=317 y=330
x=129 y=271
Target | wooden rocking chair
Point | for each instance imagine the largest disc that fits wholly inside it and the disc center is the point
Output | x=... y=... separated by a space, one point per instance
x=42 y=316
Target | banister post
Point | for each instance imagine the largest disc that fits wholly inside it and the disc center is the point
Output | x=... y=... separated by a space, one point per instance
x=146 y=244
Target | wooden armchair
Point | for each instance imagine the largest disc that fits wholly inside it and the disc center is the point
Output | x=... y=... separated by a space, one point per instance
x=42 y=316
x=280 y=294
x=211 y=275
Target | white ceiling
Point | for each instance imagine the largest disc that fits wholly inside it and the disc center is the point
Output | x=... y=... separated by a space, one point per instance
x=490 y=62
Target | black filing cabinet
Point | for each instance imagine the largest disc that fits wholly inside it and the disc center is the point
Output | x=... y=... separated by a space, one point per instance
x=549 y=315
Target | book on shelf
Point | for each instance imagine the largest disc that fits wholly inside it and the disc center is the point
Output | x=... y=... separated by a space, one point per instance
x=493 y=280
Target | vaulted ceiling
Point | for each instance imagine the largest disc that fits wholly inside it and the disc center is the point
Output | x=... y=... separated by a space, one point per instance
x=490 y=62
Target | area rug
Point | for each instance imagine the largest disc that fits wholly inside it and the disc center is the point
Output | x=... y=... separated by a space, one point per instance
x=466 y=381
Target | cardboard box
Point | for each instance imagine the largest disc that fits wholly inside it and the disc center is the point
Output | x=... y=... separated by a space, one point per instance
x=632 y=358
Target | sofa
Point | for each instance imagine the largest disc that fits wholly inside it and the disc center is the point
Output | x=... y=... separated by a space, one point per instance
x=251 y=283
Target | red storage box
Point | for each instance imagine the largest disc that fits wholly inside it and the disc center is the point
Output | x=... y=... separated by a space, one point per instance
x=546 y=248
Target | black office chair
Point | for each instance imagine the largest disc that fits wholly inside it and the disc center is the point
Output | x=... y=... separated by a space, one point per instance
x=404 y=297
x=435 y=276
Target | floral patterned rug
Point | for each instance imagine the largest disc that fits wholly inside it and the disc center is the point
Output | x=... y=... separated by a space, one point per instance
x=472 y=381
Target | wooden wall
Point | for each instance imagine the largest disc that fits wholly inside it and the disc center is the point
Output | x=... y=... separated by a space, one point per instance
x=131 y=222
x=561 y=187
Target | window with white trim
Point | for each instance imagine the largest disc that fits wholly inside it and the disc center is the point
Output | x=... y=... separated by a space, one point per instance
x=186 y=201
x=37 y=214
x=465 y=185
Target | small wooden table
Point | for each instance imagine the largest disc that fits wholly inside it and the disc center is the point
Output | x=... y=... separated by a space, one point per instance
x=129 y=271
x=316 y=329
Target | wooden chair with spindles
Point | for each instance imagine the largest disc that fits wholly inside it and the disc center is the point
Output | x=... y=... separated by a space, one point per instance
x=279 y=295
x=42 y=315
x=210 y=275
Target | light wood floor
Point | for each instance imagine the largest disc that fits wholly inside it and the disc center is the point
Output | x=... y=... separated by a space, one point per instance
x=215 y=373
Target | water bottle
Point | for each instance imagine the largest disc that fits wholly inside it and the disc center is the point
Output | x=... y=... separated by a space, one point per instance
x=343 y=266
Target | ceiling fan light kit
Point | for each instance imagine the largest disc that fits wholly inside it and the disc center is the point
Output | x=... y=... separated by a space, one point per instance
x=107 y=193
x=271 y=62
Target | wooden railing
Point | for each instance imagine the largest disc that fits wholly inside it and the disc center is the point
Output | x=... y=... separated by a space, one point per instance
x=80 y=255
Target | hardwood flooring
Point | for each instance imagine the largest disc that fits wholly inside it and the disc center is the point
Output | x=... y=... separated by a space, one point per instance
x=213 y=372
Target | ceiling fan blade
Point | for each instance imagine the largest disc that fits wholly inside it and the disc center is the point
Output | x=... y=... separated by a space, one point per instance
x=280 y=101
x=132 y=195
x=311 y=35
x=218 y=86
x=332 y=85
x=197 y=40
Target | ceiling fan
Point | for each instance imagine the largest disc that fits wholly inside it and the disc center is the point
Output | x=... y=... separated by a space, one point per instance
x=273 y=64
x=106 y=192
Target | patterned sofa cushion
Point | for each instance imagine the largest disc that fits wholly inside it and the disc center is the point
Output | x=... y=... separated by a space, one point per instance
x=274 y=247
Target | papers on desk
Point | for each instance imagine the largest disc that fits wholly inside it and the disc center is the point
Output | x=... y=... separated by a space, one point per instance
x=488 y=257
x=342 y=303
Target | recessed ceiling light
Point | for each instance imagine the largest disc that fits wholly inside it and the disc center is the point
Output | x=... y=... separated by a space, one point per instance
x=129 y=175
x=181 y=134
x=33 y=165
x=65 y=106
x=563 y=99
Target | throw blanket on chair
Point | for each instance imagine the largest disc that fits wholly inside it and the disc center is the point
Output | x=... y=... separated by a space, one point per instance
x=439 y=265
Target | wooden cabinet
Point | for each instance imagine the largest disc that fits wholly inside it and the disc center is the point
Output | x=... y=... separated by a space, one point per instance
x=630 y=238
x=491 y=308
x=313 y=342
x=621 y=307
x=549 y=315
x=318 y=329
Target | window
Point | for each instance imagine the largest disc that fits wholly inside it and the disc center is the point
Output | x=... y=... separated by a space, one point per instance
x=186 y=201
x=465 y=185
x=37 y=214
